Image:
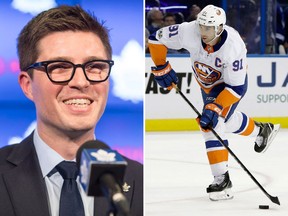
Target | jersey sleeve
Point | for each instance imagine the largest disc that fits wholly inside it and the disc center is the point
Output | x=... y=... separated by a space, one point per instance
x=161 y=40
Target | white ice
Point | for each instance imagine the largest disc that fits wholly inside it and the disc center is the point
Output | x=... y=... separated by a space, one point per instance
x=177 y=174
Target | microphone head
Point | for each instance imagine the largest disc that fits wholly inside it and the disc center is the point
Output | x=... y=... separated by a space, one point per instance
x=94 y=159
x=91 y=144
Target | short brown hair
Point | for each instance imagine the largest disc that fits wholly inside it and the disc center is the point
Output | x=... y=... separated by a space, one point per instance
x=59 y=19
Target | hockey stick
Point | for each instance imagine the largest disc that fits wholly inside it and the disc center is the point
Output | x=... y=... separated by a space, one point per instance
x=273 y=199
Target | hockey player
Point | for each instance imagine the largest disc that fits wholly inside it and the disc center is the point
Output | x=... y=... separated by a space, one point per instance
x=219 y=64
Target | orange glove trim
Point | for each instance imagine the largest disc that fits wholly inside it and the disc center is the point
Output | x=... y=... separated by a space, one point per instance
x=214 y=108
x=162 y=72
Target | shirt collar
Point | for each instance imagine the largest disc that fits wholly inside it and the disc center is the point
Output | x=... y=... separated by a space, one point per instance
x=48 y=158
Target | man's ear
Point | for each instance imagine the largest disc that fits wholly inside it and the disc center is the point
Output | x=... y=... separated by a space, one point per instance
x=220 y=28
x=25 y=83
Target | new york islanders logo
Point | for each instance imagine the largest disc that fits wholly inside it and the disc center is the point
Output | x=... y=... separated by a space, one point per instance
x=206 y=74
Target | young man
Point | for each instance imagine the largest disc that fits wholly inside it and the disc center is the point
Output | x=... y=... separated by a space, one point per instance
x=218 y=59
x=65 y=61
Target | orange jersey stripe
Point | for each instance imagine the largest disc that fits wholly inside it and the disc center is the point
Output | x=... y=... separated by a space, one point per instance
x=217 y=156
x=158 y=53
x=249 y=129
x=226 y=98
x=225 y=111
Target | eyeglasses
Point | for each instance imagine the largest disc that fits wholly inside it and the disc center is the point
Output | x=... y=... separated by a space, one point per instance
x=59 y=71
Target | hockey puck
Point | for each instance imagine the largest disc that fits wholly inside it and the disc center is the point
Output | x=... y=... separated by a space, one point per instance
x=263 y=206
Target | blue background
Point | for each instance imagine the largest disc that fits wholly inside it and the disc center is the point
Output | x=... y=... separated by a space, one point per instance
x=121 y=126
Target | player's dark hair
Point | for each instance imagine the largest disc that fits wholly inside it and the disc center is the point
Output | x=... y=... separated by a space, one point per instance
x=60 y=19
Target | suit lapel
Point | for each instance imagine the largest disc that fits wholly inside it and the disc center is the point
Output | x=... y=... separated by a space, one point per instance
x=25 y=184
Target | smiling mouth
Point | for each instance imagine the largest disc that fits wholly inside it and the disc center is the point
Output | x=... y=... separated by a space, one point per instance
x=78 y=102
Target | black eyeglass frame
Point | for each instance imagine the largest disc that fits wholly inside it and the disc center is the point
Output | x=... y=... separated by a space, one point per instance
x=46 y=63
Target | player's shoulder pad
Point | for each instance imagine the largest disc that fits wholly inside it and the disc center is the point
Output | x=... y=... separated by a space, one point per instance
x=234 y=43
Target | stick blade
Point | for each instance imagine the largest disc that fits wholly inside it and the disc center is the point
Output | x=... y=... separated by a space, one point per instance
x=275 y=200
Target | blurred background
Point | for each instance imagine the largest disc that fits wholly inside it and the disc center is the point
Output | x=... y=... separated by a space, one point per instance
x=121 y=126
x=263 y=24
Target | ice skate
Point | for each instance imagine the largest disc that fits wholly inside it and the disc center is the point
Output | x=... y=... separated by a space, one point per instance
x=266 y=135
x=220 y=189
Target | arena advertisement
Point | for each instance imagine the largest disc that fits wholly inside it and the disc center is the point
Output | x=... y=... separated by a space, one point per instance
x=266 y=96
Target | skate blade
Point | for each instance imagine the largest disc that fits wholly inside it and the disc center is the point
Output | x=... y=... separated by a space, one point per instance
x=226 y=194
x=272 y=136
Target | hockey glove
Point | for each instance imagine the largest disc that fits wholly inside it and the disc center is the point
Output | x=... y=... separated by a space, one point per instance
x=165 y=76
x=209 y=118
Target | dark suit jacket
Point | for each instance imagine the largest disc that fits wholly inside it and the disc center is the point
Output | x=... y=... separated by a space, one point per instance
x=23 y=190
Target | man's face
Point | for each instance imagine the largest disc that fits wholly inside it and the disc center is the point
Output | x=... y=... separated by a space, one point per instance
x=207 y=33
x=169 y=20
x=158 y=19
x=78 y=104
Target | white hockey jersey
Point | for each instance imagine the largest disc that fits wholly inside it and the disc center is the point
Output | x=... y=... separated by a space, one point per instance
x=227 y=63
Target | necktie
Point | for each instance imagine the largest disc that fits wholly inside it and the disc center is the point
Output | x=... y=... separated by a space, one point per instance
x=70 y=199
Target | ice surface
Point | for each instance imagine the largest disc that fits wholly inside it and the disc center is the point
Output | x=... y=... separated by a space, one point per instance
x=177 y=174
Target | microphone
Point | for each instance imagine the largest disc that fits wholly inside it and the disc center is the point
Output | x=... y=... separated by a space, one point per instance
x=101 y=173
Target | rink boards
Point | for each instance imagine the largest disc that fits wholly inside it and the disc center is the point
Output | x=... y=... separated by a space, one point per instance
x=266 y=98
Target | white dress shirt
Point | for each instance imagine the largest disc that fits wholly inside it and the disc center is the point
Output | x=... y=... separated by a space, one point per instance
x=48 y=159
